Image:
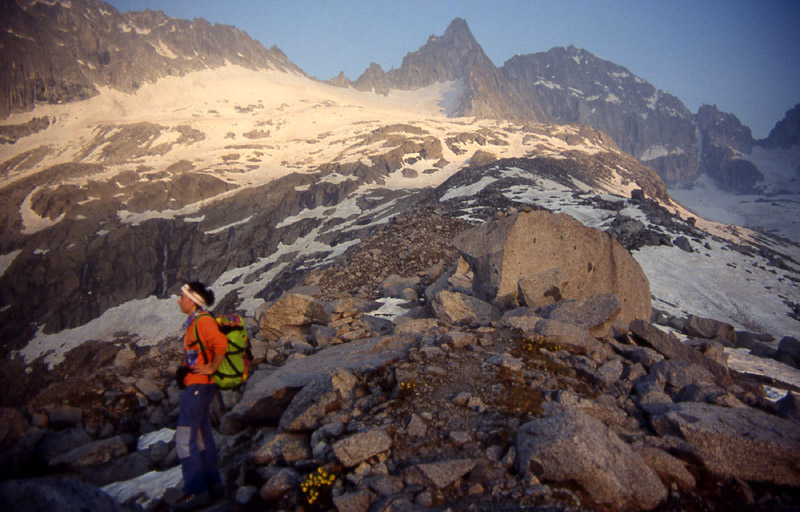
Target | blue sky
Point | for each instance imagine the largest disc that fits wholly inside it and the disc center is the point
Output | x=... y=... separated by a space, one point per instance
x=741 y=55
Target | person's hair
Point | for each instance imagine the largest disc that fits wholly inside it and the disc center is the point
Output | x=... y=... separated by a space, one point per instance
x=201 y=290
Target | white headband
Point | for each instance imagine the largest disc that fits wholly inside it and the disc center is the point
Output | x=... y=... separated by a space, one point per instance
x=193 y=296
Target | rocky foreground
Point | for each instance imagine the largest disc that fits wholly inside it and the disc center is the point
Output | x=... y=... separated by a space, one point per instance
x=524 y=373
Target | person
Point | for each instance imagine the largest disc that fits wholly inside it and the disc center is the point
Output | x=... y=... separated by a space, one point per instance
x=194 y=440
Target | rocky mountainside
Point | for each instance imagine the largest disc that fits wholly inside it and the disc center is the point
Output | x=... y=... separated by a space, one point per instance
x=56 y=52
x=459 y=397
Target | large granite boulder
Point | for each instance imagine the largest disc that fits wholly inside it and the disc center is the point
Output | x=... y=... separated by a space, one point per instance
x=504 y=251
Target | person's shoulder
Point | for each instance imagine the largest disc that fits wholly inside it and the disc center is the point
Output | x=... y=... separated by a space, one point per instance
x=205 y=318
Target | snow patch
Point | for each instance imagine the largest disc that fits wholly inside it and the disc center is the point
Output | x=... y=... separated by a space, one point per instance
x=147 y=488
x=7 y=259
x=468 y=190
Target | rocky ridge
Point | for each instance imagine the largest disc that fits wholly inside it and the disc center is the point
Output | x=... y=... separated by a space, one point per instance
x=457 y=403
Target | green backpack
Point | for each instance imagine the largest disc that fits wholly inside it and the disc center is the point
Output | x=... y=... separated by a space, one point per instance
x=234 y=369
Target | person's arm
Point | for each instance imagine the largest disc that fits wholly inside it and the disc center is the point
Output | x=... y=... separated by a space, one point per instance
x=216 y=341
x=210 y=368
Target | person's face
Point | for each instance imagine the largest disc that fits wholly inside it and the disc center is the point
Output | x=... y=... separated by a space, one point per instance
x=186 y=304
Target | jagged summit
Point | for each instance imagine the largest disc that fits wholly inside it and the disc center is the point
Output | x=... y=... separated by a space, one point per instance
x=457 y=57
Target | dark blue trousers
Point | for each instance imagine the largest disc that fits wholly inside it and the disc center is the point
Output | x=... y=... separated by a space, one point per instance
x=194 y=440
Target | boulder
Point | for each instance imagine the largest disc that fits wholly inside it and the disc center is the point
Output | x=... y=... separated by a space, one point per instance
x=456 y=308
x=709 y=328
x=293 y=313
x=743 y=443
x=54 y=493
x=789 y=351
x=269 y=392
x=503 y=251
x=574 y=447
x=322 y=395
x=595 y=313
x=89 y=454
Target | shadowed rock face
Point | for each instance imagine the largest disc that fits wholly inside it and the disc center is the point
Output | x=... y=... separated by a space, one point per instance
x=503 y=252
x=59 y=53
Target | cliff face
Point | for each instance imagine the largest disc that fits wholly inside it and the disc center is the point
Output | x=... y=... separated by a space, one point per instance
x=62 y=52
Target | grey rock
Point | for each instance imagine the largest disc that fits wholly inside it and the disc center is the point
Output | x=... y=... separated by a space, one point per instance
x=573 y=447
x=385 y=485
x=655 y=402
x=405 y=325
x=444 y=473
x=293 y=313
x=459 y=339
x=610 y=372
x=280 y=484
x=322 y=336
x=119 y=469
x=271 y=391
x=54 y=493
x=649 y=383
x=416 y=427
x=709 y=328
x=357 y=448
x=679 y=374
x=60 y=442
x=89 y=454
x=358 y=501
x=743 y=443
x=683 y=244
x=789 y=406
x=672 y=348
x=309 y=407
x=394 y=285
x=707 y=393
x=456 y=308
x=149 y=389
x=644 y=355
x=65 y=417
x=282 y=447
x=668 y=468
x=595 y=313
x=789 y=351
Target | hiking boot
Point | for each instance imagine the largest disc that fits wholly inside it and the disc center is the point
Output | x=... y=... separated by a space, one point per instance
x=191 y=502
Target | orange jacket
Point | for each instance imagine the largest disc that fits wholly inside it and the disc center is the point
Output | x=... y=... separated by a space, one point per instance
x=214 y=342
